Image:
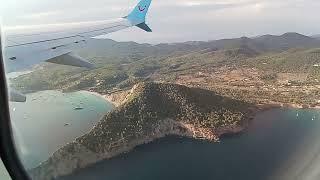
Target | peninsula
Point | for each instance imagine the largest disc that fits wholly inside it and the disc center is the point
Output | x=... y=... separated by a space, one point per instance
x=151 y=111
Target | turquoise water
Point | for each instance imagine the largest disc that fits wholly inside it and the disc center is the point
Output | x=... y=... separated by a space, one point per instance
x=280 y=144
x=48 y=120
x=17 y=74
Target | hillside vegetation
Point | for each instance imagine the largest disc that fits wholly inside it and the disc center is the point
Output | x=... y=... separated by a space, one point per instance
x=262 y=70
x=152 y=103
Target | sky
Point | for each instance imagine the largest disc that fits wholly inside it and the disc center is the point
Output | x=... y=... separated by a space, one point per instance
x=175 y=20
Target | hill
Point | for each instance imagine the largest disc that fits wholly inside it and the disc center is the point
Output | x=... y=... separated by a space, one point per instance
x=265 y=43
x=104 y=51
x=118 y=75
x=317 y=36
x=152 y=111
x=258 y=70
x=286 y=41
x=291 y=61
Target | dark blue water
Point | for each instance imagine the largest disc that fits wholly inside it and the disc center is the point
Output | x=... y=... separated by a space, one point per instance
x=280 y=144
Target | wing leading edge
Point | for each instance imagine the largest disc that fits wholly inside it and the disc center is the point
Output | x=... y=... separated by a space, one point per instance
x=56 y=43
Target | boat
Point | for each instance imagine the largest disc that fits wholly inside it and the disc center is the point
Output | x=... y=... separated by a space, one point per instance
x=78 y=108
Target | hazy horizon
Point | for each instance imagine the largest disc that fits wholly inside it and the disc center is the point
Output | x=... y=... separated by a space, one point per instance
x=225 y=38
x=178 y=21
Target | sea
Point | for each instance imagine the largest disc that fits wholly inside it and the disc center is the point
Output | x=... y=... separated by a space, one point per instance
x=279 y=144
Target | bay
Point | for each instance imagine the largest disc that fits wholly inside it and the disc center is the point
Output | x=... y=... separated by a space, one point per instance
x=51 y=119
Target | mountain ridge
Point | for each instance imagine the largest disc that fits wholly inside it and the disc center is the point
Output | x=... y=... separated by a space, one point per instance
x=261 y=43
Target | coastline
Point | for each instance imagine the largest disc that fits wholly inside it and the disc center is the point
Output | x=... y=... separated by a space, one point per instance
x=81 y=156
x=272 y=105
x=96 y=94
x=16 y=74
x=113 y=98
x=63 y=163
x=108 y=98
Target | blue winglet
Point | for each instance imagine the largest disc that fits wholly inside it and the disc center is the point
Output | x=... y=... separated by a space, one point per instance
x=138 y=15
x=144 y=26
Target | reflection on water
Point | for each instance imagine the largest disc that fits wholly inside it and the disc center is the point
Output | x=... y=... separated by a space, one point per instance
x=50 y=119
x=278 y=145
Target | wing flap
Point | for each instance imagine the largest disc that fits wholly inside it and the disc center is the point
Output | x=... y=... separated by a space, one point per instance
x=71 y=59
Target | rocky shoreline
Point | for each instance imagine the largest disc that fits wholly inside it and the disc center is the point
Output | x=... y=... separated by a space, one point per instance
x=63 y=163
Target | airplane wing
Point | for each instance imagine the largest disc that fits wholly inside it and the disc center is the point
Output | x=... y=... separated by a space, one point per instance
x=27 y=46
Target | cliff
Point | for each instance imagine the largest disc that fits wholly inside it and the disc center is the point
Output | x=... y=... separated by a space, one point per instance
x=150 y=111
